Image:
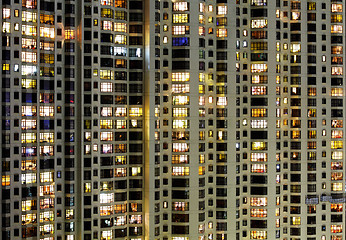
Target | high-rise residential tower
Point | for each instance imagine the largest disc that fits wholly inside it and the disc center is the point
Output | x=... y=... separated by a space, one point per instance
x=172 y=119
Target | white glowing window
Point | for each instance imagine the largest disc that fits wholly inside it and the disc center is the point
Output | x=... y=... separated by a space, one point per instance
x=28 y=178
x=336 y=29
x=120 y=112
x=180 y=171
x=46 y=137
x=29 y=16
x=180 y=6
x=120 y=124
x=336 y=7
x=135 y=171
x=180 y=147
x=120 y=221
x=120 y=27
x=46 y=177
x=180 y=30
x=295 y=47
x=28 y=124
x=106 y=148
x=181 y=100
x=258 y=168
x=336 y=187
x=46 y=150
x=107 y=25
x=6 y=13
x=180 y=124
x=180 y=88
x=259 y=2
x=258 y=201
x=106 y=87
x=6 y=27
x=259 y=68
x=180 y=18
x=107 y=112
x=259 y=23
x=29 y=111
x=106 y=197
x=106 y=136
x=180 y=159
x=107 y=235
x=29 y=30
x=337 y=155
x=337 y=70
x=47 y=32
x=106 y=124
x=337 y=92
x=46 y=216
x=337 y=133
x=29 y=218
x=120 y=172
x=258 y=90
x=47 y=111
x=180 y=77
x=201 y=31
x=29 y=43
x=221 y=101
x=221 y=10
x=119 y=39
x=135 y=219
x=259 y=157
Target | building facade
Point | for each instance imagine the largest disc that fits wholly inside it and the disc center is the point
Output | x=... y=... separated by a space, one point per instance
x=172 y=120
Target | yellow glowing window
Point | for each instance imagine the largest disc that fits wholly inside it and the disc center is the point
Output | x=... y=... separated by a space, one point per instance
x=179 y=30
x=180 y=159
x=258 y=145
x=28 y=178
x=258 y=212
x=135 y=112
x=106 y=210
x=336 y=228
x=258 y=235
x=337 y=92
x=259 y=23
x=47 y=216
x=295 y=220
x=336 y=18
x=180 y=18
x=259 y=112
x=181 y=77
x=106 y=124
x=180 y=124
x=336 y=7
x=28 y=137
x=259 y=79
x=180 y=171
x=29 y=218
x=106 y=74
x=181 y=100
x=336 y=144
x=201 y=19
x=6 y=180
x=311 y=134
x=336 y=207
x=221 y=32
x=28 y=205
x=337 y=155
x=336 y=176
x=259 y=157
x=135 y=171
x=29 y=43
x=28 y=83
x=180 y=112
x=106 y=235
x=335 y=187
x=312 y=112
x=47 y=137
x=120 y=27
x=70 y=34
x=120 y=124
x=201 y=170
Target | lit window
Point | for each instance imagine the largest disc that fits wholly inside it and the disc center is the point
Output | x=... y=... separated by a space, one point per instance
x=259 y=23
x=47 y=111
x=70 y=34
x=180 y=171
x=221 y=10
x=337 y=155
x=181 y=100
x=295 y=220
x=106 y=136
x=259 y=112
x=336 y=29
x=28 y=178
x=337 y=92
x=258 y=201
x=47 y=32
x=258 y=168
x=201 y=31
x=180 y=147
x=135 y=112
x=120 y=112
x=336 y=176
x=336 y=144
x=337 y=133
x=120 y=27
x=180 y=124
x=107 y=111
x=120 y=124
x=258 y=90
x=46 y=137
x=258 y=145
x=106 y=210
x=106 y=124
x=106 y=197
x=335 y=187
x=259 y=157
x=180 y=112
x=6 y=180
x=337 y=70
x=180 y=30
x=221 y=101
x=336 y=7
x=6 y=27
x=28 y=124
x=107 y=25
x=180 y=18
x=181 y=6
x=28 y=137
x=180 y=159
x=119 y=39
x=106 y=87
x=120 y=172
x=107 y=235
x=259 y=2
x=259 y=68
x=295 y=47
x=29 y=16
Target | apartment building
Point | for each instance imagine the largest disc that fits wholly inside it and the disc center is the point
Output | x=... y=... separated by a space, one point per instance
x=172 y=120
